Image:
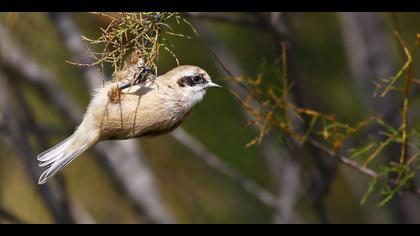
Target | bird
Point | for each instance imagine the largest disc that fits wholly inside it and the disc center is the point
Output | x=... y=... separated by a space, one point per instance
x=117 y=111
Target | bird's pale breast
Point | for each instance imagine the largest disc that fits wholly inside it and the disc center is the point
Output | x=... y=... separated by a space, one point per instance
x=140 y=111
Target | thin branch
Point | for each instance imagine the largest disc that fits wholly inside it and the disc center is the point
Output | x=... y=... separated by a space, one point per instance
x=354 y=165
x=407 y=86
x=346 y=161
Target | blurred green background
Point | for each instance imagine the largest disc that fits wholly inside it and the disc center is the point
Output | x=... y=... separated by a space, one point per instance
x=193 y=191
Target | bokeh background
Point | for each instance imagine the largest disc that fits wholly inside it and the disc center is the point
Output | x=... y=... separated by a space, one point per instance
x=203 y=173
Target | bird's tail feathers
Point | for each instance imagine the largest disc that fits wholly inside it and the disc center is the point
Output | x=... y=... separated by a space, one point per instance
x=60 y=156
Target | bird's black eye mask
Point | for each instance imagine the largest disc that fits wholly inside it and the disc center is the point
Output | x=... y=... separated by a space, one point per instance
x=192 y=80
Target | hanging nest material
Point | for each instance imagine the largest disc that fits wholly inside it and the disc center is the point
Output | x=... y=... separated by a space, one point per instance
x=131 y=44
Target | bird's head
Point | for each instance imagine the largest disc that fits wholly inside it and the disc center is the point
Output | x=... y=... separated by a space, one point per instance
x=191 y=81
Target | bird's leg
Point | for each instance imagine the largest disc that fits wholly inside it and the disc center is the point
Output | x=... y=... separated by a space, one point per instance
x=140 y=77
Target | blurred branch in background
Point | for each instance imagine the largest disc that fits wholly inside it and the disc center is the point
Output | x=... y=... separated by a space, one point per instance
x=282 y=167
x=369 y=55
x=54 y=198
x=71 y=36
x=215 y=162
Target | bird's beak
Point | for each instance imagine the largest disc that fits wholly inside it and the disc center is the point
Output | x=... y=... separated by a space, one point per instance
x=213 y=85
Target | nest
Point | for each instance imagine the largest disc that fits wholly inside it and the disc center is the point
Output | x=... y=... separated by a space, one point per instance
x=130 y=37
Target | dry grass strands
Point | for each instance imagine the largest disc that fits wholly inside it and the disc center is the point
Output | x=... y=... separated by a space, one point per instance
x=130 y=37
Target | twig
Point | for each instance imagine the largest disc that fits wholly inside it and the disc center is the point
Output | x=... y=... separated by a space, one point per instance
x=346 y=161
x=406 y=92
x=354 y=165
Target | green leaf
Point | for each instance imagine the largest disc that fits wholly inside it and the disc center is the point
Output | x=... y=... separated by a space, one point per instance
x=387 y=126
x=372 y=184
x=389 y=196
x=310 y=128
x=357 y=152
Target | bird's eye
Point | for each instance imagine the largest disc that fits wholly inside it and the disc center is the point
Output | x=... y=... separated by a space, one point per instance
x=197 y=78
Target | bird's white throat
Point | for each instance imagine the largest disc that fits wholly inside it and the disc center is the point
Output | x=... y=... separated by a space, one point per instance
x=193 y=96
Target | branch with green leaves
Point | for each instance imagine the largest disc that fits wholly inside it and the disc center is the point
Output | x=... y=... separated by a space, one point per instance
x=276 y=111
